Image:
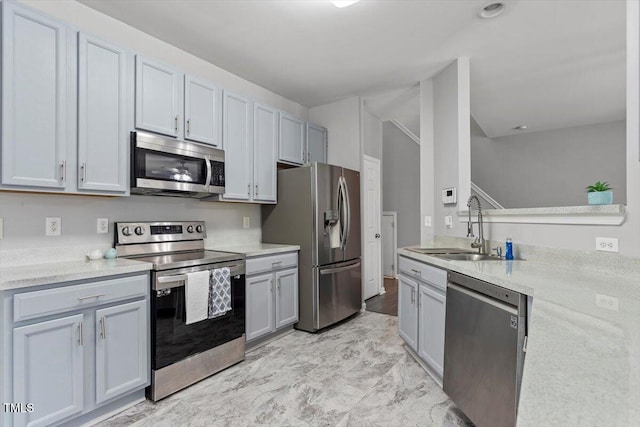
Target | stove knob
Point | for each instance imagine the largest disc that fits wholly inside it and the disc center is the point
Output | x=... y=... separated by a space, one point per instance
x=126 y=231
x=199 y=228
x=190 y=228
x=139 y=231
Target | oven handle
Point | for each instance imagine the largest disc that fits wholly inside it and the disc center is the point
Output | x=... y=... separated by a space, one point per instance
x=180 y=279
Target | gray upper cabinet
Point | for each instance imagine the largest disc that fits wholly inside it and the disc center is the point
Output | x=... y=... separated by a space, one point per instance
x=34 y=99
x=265 y=143
x=238 y=147
x=291 y=144
x=48 y=370
x=202 y=111
x=121 y=349
x=158 y=97
x=102 y=116
x=317 y=144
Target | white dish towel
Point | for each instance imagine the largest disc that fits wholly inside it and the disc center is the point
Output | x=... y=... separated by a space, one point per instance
x=197 y=296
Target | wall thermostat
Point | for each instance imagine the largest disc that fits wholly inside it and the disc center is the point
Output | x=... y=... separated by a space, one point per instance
x=449 y=196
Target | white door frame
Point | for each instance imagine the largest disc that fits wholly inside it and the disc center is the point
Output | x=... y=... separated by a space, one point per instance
x=378 y=162
x=394 y=232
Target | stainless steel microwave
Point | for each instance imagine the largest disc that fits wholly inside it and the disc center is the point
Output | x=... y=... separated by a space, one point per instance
x=166 y=166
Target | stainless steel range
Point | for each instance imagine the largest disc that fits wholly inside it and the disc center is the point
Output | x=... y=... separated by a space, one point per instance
x=183 y=353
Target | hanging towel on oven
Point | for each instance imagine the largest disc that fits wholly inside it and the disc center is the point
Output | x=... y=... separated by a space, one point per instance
x=197 y=296
x=219 y=292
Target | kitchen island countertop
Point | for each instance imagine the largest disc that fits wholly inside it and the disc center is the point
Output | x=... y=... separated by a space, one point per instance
x=582 y=365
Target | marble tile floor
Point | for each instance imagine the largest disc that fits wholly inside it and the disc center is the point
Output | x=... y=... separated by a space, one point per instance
x=355 y=374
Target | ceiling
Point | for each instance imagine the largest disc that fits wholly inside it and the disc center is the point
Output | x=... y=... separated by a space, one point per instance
x=544 y=63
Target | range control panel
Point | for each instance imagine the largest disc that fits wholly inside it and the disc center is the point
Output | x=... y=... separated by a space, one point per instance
x=157 y=232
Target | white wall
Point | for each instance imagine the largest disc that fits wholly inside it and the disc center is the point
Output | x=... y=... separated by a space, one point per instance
x=119 y=33
x=580 y=237
x=550 y=168
x=372 y=135
x=427 y=173
x=401 y=184
x=342 y=120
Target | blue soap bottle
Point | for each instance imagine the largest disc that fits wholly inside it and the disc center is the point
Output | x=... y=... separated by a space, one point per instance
x=508 y=253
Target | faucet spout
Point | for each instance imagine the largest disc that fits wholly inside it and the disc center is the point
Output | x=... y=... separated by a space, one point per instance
x=479 y=242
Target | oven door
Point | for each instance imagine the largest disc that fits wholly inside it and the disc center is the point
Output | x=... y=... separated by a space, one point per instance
x=172 y=340
x=162 y=164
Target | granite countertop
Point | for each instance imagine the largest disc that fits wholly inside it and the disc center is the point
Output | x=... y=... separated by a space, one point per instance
x=582 y=365
x=257 y=249
x=44 y=274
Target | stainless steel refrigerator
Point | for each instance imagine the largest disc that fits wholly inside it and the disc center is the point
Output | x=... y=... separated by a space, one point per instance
x=319 y=209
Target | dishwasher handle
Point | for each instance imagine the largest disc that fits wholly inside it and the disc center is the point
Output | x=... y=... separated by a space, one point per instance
x=488 y=300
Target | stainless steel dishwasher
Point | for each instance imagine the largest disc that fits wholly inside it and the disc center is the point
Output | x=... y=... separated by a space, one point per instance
x=485 y=338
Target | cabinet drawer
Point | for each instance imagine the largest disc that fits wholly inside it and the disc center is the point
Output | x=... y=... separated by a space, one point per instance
x=270 y=263
x=424 y=272
x=30 y=305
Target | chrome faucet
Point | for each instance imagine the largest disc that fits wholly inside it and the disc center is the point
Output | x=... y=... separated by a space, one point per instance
x=479 y=243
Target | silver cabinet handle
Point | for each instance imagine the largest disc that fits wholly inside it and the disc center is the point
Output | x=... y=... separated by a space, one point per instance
x=83 y=177
x=103 y=329
x=188 y=126
x=248 y=189
x=276 y=264
x=176 y=123
x=63 y=170
x=256 y=190
x=90 y=296
x=80 y=333
x=413 y=296
x=278 y=285
x=417 y=272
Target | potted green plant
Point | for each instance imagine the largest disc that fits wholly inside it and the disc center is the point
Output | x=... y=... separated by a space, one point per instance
x=599 y=193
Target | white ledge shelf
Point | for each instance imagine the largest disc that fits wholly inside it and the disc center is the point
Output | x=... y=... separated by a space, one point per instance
x=580 y=215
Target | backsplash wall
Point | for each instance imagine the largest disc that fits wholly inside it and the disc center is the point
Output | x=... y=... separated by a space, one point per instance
x=24 y=222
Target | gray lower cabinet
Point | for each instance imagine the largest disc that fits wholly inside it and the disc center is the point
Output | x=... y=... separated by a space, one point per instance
x=48 y=370
x=421 y=311
x=72 y=348
x=272 y=294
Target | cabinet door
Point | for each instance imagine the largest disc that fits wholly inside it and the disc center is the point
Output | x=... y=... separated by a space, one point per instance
x=431 y=315
x=121 y=349
x=48 y=370
x=260 y=316
x=316 y=144
x=292 y=139
x=158 y=97
x=34 y=99
x=237 y=144
x=202 y=111
x=103 y=162
x=408 y=311
x=286 y=297
x=265 y=141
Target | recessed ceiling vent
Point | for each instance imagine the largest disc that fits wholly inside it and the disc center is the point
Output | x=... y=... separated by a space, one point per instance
x=491 y=10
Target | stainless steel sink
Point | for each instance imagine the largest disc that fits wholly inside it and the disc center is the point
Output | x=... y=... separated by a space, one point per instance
x=470 y=257
x=440 y=251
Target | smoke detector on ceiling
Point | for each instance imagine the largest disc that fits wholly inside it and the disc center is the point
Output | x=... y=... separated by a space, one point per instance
x=491 y=10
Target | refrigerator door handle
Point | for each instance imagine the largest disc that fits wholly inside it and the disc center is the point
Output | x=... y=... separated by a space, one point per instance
x=340 y=212
x=339 y=269
x=347 y=213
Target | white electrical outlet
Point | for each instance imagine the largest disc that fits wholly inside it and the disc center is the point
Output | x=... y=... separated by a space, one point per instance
x=53 y=226
x=606 y=244
x=427 y=221
x=608 y=302
x=103 y=225
x=246 y=222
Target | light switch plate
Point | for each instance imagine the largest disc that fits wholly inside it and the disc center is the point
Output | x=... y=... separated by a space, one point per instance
x=448 y=221
x=53 y=226
x=427 y=221
x=246 y=221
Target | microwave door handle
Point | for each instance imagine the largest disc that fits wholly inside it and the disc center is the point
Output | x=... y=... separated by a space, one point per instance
x=207 y=160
